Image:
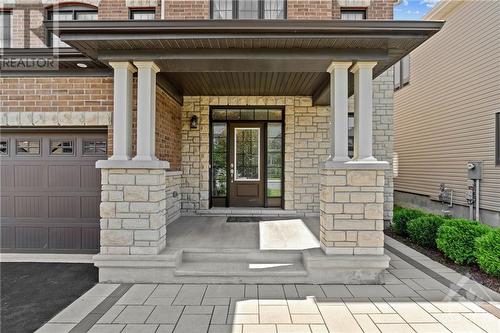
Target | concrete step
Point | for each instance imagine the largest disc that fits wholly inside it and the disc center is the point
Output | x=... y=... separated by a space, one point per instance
x=240 y=255
x=240 y=269
x=240 y=263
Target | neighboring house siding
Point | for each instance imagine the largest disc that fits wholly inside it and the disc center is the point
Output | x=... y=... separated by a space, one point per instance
x=445 y=116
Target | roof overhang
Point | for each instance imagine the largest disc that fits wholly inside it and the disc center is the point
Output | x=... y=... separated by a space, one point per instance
x=48 y=62
x=200 y=57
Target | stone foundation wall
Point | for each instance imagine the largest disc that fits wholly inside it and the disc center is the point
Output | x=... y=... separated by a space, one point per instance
x=352 y=211
x=136 y=206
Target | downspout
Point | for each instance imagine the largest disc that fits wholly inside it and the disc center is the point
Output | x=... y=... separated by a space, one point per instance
x=162 y=8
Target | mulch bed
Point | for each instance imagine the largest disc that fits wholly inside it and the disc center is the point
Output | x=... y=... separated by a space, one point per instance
x=471 y=271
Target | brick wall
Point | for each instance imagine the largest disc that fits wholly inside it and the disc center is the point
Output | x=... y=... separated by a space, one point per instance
x=120 y=9
x=28 y=29
x=27 y=26
x=168 y=129
x=56 y=94
x=187 y=9
x=113 y=10
x=310 y=10
x=381 y=9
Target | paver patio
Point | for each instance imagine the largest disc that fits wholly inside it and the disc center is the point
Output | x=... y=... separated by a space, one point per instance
x=414 y=299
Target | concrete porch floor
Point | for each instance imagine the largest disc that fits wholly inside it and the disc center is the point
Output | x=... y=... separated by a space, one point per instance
x=213 y=232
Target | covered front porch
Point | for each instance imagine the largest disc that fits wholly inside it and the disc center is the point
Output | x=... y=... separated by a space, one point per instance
x=317 y=73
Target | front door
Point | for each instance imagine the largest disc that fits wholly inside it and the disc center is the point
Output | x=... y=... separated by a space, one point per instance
x=246 y=164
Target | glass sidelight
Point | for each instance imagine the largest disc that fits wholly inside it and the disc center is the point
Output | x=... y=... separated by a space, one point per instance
x=219 y=160
x=274 y=159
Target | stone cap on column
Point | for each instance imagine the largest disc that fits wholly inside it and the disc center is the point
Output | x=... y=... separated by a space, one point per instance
x=358 y=165
x=132 y=164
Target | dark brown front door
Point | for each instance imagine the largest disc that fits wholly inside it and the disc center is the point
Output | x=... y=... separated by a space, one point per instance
x=246 y=164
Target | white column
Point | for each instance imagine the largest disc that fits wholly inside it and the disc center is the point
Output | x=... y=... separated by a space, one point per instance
x=122 y=110
x=363 y=110
x=146 y=108
x=338 y=112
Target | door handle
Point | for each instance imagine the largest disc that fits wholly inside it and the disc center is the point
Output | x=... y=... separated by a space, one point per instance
x=231 y=171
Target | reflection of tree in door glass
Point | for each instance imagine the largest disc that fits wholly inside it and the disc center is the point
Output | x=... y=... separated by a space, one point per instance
x=247 y=153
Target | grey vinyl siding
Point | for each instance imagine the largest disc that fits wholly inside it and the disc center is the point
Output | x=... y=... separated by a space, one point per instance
x=446 y=115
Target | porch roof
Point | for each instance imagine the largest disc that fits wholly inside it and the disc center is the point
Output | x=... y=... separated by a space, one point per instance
x=247 y=57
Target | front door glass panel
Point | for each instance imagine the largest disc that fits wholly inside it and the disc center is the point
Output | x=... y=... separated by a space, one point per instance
x=247 y=154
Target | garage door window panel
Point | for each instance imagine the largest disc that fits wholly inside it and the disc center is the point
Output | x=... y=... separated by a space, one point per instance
x=4 y=147
x=28 y=147
x=94 y=147
x=62 y=147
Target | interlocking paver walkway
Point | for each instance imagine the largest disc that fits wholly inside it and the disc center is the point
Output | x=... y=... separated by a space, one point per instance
x=410 y=301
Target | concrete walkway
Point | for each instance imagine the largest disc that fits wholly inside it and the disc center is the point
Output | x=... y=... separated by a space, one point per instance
x=420 y=295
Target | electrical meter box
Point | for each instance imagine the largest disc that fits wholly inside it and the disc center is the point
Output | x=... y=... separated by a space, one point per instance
x=475 y=170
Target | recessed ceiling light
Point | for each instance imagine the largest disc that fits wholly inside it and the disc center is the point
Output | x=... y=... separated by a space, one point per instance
x=82 y=65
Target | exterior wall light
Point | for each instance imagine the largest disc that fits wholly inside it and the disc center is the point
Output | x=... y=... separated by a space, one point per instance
x=194 y=122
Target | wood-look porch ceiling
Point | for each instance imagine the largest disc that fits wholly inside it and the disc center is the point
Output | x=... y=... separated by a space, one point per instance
x=247 y=57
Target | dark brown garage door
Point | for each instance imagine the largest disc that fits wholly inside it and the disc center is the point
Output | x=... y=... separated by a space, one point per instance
x=50 y=191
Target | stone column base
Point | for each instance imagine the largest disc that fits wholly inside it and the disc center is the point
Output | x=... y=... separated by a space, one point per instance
x=138 y=200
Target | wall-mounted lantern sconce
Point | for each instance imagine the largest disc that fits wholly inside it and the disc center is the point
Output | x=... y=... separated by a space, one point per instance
x=194 y=122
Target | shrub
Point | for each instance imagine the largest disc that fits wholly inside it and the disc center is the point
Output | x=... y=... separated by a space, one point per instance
x=423 y=230
x=402 y=217
x=456 y=239
x=488 y=252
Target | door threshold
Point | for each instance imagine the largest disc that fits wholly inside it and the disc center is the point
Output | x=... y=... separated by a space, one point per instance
x=247 y=211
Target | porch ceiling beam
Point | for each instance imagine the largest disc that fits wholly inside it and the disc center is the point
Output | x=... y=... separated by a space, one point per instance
x=245 y=60
x=243 y=54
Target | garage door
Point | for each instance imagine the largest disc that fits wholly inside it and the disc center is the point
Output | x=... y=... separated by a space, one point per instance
x=50 y=191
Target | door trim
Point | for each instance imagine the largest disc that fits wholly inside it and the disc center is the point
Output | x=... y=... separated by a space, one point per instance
x=283 y=143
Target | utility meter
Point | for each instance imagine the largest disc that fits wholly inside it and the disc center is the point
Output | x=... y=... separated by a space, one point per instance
x=475 y=170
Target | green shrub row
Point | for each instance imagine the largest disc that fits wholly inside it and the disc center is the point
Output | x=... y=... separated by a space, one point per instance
x=463 y=241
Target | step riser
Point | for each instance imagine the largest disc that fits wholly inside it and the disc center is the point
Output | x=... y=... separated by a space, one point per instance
x=242 y=257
